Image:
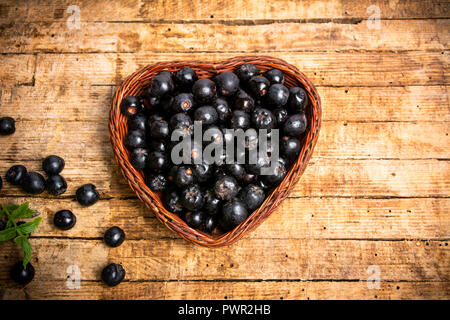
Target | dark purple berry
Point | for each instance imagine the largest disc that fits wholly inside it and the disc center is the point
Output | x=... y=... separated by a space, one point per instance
x=114 y=237
x=33 y=183
x=22 y=275
x=113 y=274
x=15 y=174
x=53 y=165
x=64 y=219
x=204 y=90
x=298 y=99
x=87 y=195
x=56 y=185
x=7 y=126
x=295 y=125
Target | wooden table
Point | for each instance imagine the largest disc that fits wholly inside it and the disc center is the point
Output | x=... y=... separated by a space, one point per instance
x=372 y=205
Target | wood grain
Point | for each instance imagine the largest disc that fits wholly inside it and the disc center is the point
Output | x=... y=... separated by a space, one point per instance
x=346 y=104
x=176 y=37
x=247 y=11
x=297 y=218
x=287 y=259
x=331 y=68
x=270 y=290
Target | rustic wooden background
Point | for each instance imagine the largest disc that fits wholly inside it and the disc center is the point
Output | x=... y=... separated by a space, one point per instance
x=374 y=197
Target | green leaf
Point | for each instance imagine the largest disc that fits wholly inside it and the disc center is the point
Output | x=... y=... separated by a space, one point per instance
x=7 y=234
x=23 y=242
x=22 y=212
x=29 y=227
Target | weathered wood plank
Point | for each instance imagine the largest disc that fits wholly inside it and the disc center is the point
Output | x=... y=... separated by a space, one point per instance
x=355 y=104
x=331 y=68
x=17 y=70
x=323 y=177
x=307 y=259
x=297 y=218
x=189 y=290
x=249 y=11
x=337 y=139
x=127 y=37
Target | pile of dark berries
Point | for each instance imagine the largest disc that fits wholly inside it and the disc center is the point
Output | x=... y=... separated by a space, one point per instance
x=209 y=197
x=34 y=182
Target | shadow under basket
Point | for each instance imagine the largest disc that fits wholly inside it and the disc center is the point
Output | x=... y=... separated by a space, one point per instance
x=135 y=84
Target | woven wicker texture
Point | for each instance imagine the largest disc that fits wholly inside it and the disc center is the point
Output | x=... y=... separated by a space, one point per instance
x=135 y=84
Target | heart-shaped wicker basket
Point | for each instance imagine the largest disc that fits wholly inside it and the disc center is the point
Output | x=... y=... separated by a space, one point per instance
x=134 y=85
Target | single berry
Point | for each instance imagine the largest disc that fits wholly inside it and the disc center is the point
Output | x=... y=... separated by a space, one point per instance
x=202 y=172
x=157 y=145
x=240 y=120
x=226 y=188
x=263 y=119
x=137 y=122
x=227 y=83
x=280 y=115
x=113 y=274
x=258 y=86
x=154 y=117
x=15 y=174
x=253 y=196
x=131 y=105
x=249 y=178
x=172 y=202
x=234 y=212
x=53 y=165
x=33 y=183
x=204 y=90
x=157 y=161
x=172 y=172
x=274 y=76
x=139 y=158
x=295 y=125
x=64 y=220
x=244 y=102
x=156 y=182
x=7 y=126
x=159 y=129
x=195 y=219
x=161 y=85
x=166 y=73
x=114 y=237
x=151 y=102
x=87 y=195
x=212 y=203
x=210 y=224
x=186 y=78
x=184 y=177
x=277 y=95
x=298 y=99
x=206 y=114
x=182 y=123
x=236 y=170
x=134 y=139
x=192 y=197
x=22 y=275
x=290 y=147
x=56 y=185
x=222 y=109
x=277 y=173
x=247 y=71
x=183 y=102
